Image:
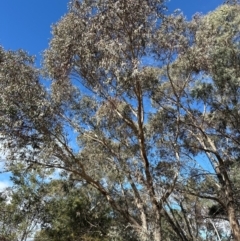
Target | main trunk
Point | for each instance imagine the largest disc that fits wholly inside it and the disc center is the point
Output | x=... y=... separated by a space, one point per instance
x=157 y=234
x=154 y=235
x=157 y=231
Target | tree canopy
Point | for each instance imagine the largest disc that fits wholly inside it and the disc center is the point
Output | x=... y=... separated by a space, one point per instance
x=143 y=108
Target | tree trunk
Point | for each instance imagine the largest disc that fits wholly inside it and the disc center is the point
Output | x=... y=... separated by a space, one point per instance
x=157 y=231
x=145 y=235
x=233 y=222
x=231 y=210
x=157 y=234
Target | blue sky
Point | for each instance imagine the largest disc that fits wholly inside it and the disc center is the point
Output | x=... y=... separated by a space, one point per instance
x=27 y=24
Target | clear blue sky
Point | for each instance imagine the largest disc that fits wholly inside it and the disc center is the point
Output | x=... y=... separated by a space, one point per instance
x=27 y=24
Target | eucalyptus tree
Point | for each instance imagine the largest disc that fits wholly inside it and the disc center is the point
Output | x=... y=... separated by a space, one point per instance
x=101 y=90
x=205 y=83
x=102 y=86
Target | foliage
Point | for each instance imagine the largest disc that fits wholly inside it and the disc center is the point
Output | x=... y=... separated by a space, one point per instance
x=22 y=205
x=71 y=214
x=152 y=100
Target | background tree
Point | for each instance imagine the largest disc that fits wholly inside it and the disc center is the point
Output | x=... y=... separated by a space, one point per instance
x=72 y=214
x=7 y=230
x=22 y=205
x=209 y=105
x=79 y=213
